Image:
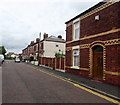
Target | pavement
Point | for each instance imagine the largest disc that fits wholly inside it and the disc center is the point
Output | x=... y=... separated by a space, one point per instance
x=100 y=87
x=24 y=83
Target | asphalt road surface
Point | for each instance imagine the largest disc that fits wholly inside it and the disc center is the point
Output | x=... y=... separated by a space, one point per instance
x=23 y=83
x=0 y=85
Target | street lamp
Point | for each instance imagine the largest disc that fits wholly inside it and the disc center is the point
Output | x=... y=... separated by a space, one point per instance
x=39 y=48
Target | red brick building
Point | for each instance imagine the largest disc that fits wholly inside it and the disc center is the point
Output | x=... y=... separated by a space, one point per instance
x=31 y=50
x=92 y=43
x=48 y=47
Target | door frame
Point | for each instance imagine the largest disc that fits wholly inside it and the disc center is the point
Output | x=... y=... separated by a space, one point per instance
x=91 y=58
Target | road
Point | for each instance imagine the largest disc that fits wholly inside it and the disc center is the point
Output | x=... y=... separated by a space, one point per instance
x=0 y=85
x=23 y=83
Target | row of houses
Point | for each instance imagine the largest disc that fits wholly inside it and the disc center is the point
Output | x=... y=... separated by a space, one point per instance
x=92 y=43
x=12 y=55
x=48 y=47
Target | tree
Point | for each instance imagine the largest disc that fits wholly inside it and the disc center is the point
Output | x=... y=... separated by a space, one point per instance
x=31 y=58
x=2 y=50
x=58 y=55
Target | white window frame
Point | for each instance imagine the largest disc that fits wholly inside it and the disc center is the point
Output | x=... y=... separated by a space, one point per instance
x=77 y=28
x=76 y=48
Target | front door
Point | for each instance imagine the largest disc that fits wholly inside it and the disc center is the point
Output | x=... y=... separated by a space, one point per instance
x=98 y=62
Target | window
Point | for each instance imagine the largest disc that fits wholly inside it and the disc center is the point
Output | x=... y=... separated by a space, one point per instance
x=76 y=57
x=76 y=30
x=57 y=46
x=34 y=48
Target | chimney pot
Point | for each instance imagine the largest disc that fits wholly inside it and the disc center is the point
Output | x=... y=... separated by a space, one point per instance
x=32 y=42
x=37 y=39
x=45 y=35
x=59 y=36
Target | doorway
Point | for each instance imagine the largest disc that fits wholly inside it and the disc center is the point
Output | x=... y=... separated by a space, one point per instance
x=97 y=62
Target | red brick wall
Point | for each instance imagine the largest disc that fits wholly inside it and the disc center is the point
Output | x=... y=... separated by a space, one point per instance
x=57 y=63
x=35 y=48
x=68 y=58
x=73 y=43
x=100 y=38
x=84 y=58
x=112 y=63
x=51 y=63
x=42 y=45
x=112 y=79
x=62 y=63
x=84 y=73
x=46 y=61
x=69 y=33
x=54 y=63
x=73 y=71
x=109 y=18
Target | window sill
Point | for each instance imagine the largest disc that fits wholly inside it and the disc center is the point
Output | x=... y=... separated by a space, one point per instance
x=75 y=40
x=75 y=67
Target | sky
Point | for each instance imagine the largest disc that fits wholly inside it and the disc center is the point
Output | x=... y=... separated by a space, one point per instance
x=21 y=21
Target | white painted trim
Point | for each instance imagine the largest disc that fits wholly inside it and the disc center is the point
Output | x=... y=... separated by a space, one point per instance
x=60 y=70
x=76 y=20
x=76 y=47
x=74 y=30
x=75 y=67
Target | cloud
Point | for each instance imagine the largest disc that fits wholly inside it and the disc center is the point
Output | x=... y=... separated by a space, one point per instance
x=22 y=20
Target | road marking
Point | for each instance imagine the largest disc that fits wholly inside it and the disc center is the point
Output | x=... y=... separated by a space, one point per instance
x=78 y=85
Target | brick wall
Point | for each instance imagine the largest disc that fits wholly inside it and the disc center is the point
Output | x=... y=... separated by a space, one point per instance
x=112 y=63
x=69 y=33
x=54 y=63
x=68 y=58
x=112 y=79
x=84 y=58
x=109 y=19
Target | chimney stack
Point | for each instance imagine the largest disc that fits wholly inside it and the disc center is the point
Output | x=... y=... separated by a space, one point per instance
x=37 y=40
x=32 y=42
x=45 y=35
x=59 y=36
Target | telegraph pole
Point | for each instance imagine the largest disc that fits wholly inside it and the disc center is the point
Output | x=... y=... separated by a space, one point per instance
x=39 y=48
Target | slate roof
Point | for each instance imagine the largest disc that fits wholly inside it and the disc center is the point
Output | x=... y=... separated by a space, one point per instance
x=54 y=39
x=51 y=38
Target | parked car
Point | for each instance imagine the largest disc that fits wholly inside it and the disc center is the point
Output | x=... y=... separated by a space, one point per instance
x=23 y=60
x=17 y=60
x=1 y=58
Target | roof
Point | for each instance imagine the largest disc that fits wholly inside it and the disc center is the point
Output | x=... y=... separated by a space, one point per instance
x=51 y=38
x=54 y=39
x=90 y=9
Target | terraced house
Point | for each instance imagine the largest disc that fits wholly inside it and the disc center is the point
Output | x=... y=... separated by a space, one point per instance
x=48 y=47
x=92 y=43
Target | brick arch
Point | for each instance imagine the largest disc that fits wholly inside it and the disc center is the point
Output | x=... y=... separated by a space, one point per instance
x=100 y=43
x=93 y=44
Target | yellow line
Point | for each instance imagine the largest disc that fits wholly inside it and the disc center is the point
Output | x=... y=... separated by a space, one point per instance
x=97 y=94
x=79 y=86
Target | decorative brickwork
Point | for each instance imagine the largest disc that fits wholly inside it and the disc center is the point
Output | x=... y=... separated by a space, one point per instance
x=84 y=46
x=112 y=42
x=105 y=33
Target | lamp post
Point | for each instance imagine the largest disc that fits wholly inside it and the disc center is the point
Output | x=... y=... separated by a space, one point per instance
x=39 y=48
